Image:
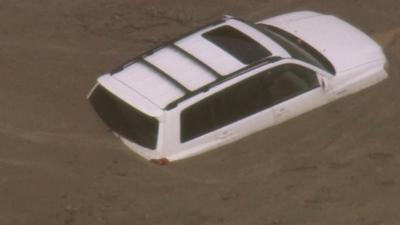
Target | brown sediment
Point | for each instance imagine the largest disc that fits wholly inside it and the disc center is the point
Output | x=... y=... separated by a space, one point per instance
x=59 y=165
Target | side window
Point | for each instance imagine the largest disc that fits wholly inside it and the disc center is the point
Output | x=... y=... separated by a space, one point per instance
x=288 y=81
x=225 y=107
x=197 y=120
x=245 y=98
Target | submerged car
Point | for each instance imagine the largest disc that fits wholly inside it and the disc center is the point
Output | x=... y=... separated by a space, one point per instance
x=232 y=78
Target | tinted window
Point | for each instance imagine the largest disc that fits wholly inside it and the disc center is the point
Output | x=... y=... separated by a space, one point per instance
x=287 y=81
x=197 y=120
x=297 y=48
x=246 y=98
x=124 y=119
x=236 y=43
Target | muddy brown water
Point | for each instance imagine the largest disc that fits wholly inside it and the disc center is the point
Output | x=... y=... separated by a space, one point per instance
x=58 y=164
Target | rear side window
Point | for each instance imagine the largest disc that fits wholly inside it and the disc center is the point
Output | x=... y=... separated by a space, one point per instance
x=124 y=119
x=246 y=98
x=238 y=44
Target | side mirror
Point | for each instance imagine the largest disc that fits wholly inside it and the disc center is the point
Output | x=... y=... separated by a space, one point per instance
x=324 y=83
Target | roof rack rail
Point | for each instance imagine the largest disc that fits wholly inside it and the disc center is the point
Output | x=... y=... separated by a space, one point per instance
x=164 y=74
x=228 y=17
x=198 y=61
x=188 y=93
x=223 y=79
x=168 y=43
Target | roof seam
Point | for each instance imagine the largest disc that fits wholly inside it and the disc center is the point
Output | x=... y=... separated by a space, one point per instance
x=223 y=79
x=197 y=60
x=137 y=92
x=164 y=74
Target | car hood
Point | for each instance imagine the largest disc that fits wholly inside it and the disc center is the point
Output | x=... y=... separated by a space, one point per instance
x=342 y=44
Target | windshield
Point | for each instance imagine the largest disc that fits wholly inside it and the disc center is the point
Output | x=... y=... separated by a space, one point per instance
x=124 y=119
x=297 y=48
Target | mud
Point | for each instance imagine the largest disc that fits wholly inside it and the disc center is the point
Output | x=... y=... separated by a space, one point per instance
x=59 y=165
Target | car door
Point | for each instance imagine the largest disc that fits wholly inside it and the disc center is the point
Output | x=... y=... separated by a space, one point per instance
x=229 y=114
x=294 y=90
x=240 y=110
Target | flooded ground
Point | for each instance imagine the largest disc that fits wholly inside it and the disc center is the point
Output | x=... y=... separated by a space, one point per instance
x=59 y=165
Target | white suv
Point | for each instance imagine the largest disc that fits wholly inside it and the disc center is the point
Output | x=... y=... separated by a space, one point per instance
x=232 y=78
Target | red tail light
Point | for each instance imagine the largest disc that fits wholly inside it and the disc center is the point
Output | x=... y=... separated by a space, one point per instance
x=161 y=162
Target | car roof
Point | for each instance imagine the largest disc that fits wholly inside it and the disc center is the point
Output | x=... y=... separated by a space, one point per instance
x=190 y=65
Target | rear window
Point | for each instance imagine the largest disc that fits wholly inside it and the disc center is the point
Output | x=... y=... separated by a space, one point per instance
x=124 y=119
x=238 y=44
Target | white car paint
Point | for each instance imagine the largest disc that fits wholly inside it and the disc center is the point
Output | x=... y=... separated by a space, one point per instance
x=342 y=44
x=358 y=60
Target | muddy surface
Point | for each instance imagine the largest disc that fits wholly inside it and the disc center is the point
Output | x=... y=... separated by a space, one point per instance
x=339 y=164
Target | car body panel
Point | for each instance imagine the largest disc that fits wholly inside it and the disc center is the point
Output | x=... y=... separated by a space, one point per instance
x=341 y=43
x=358 y=60
x=244 y=127
x=228 y=134
x=146 y=82
x=218 y=59
x=186 y=71
x=129 y=96
x=357 y=79
x=299 y=105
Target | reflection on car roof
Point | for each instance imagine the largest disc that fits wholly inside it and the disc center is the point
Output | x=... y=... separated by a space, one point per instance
x=183 y=68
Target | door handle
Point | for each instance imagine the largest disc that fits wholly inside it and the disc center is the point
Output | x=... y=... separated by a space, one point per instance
x=281 y=111
x=224 y=134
